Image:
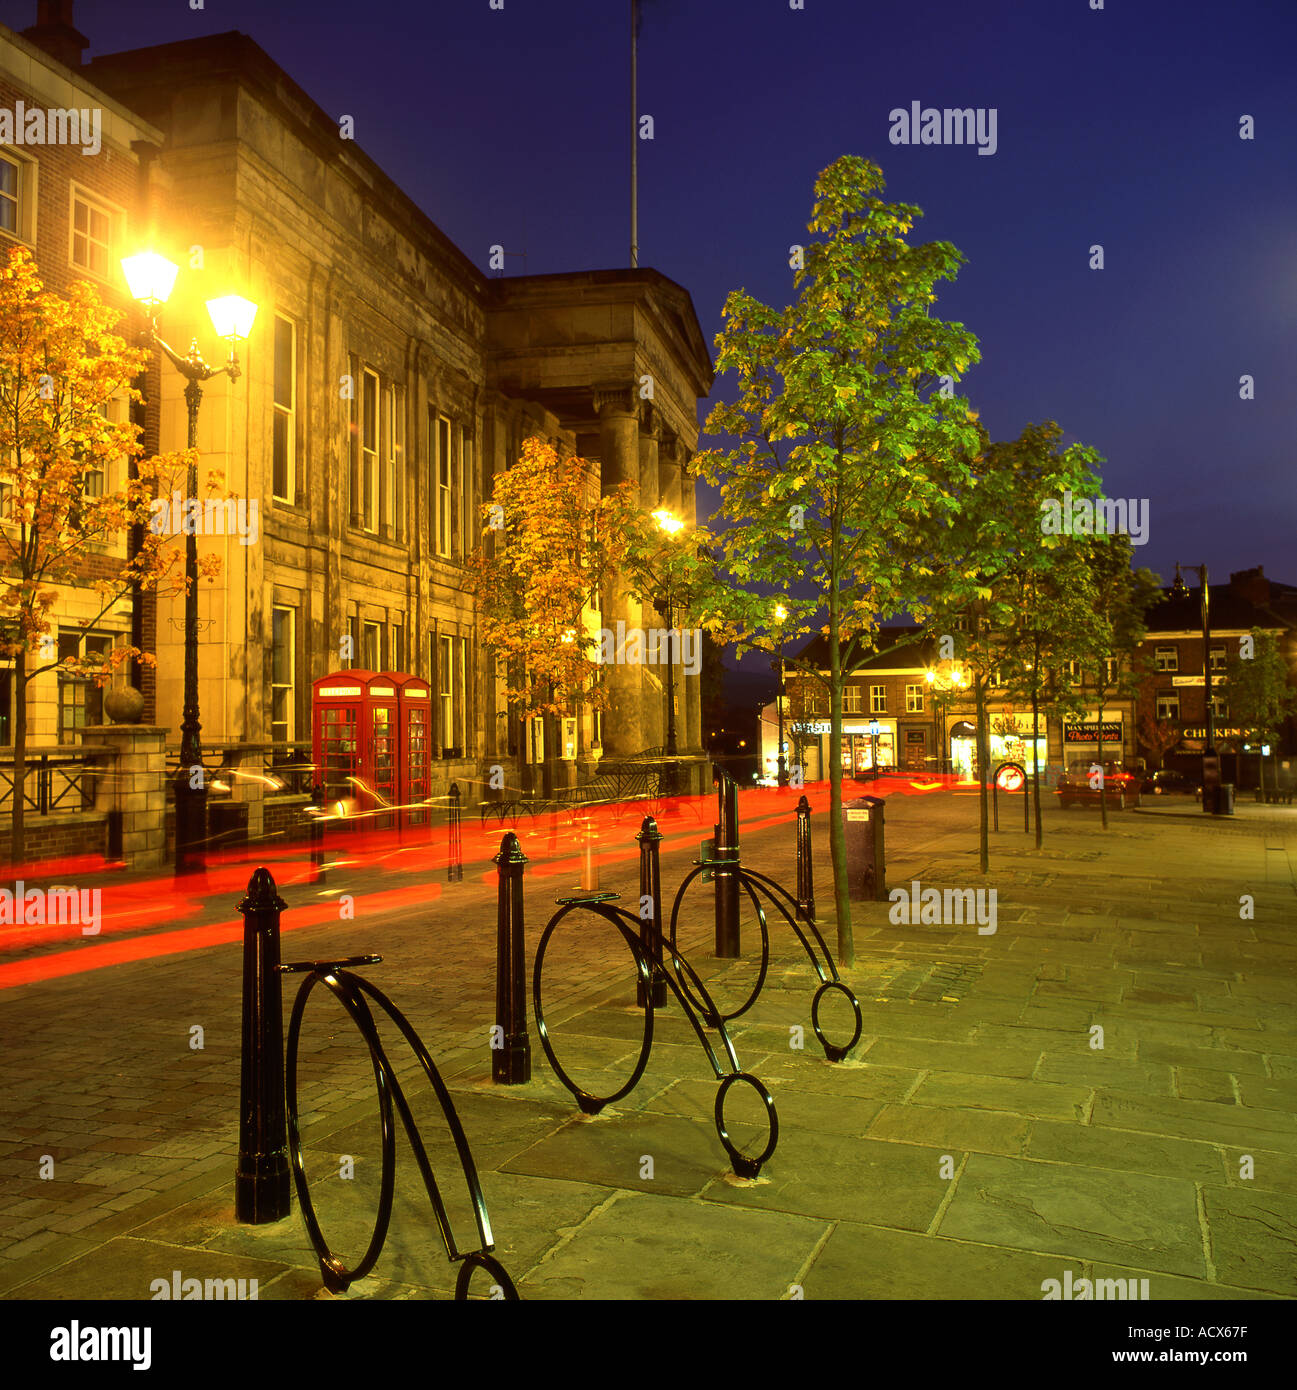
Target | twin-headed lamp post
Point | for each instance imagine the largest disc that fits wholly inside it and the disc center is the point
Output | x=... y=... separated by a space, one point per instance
x=669 y=524
x=150 y=278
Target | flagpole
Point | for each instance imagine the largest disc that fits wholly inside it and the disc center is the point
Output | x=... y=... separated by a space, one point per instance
x=634 y=138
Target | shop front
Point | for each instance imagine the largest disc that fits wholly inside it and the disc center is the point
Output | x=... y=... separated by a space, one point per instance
x=866 y=743
x=1009 y=740
x=1095 y=740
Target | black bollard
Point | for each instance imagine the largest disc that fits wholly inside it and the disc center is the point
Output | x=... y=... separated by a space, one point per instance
x=317 y=834
x=650 y=902
x=455 y=863
x=510 y=1045
x=261 y=1181
x=726 y=880
x=805 y=869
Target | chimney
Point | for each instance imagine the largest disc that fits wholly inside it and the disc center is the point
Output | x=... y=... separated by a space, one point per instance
x=1251 y=585
x=56 y=34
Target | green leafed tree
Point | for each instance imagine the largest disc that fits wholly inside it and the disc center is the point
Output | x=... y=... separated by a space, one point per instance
x=847 y=447
x=1117 y=600
x=1260 y=694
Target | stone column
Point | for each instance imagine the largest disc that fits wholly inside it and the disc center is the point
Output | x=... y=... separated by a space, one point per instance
x=135 y=786
x=623 y=725
x=655 y=676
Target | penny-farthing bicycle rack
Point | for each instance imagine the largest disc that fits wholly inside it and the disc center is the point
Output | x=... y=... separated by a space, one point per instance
x=644 y=938
x=781 y=899
x=350 y=990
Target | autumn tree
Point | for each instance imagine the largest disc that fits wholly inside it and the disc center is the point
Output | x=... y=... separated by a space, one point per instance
x=62 y=527
x=547 y=552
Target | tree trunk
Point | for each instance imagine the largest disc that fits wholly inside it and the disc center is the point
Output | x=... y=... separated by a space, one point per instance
x=983 y=761
x=18 y=839
x=837 y=837
x=1035 y=753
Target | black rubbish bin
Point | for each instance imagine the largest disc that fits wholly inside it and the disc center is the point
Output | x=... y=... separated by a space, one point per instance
x=1225 y=799
x=227 y=823
x=862 y=826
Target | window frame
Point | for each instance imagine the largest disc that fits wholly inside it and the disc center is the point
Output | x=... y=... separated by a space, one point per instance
x=877 y=699
x=1166 y=660
x=291 y=687
x=288 y=412
x=914 y=696
x=443 y=491
x=369 y=454
x=1166 y=698
x=116 y=220
x=25 y=199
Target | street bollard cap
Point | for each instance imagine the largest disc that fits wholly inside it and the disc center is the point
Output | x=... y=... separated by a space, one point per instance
x=262 y=895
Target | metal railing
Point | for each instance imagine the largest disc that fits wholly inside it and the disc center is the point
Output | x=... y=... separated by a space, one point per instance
x=62 y=780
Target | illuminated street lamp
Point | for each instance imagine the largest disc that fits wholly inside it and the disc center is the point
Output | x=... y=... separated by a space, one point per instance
x=669 y=524
x=781 y=778
x=942 y=688
x=150 y=279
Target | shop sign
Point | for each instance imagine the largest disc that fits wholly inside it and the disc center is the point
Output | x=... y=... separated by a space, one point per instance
x=1108 y=731
x=814 y=726
x=1188 y=680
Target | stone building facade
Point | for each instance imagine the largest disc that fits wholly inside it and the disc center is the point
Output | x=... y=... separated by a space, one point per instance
x=387 y=380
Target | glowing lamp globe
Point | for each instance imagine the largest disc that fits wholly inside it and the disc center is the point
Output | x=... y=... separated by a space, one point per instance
x=150 y=278
x=232 y=316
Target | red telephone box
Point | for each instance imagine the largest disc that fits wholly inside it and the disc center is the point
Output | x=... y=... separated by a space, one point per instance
x=354 y=717
x=413 y=744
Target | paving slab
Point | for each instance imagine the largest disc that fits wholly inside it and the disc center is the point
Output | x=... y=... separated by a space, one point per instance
x=1078 y=1212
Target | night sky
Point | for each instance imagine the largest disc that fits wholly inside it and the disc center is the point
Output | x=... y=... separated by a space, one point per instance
x=1117 y=126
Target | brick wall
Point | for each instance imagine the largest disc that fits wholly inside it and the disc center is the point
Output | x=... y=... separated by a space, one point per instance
x=59 y=837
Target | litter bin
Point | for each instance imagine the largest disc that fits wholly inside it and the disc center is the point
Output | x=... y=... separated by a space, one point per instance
x=1225 y=799
x=862 y=826
x=227 y=823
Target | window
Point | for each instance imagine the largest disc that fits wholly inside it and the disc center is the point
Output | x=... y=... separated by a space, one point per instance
x=850 y=699
x=395 y=459
x=93 y=234
x=371 y=643
x=1110 y=664
x=1166 y=658
x=1168 y=704
x=1072 y=672
x=466 y=492
x=1217 y=658
x=282 y=702
x=369 y=451
x=914 y=699
x=994 y=679
x=462 y=727
x=442 y=498
x=283 y=442
x=17 y=195
x=445 y=690
x=1219 y=706
x=81 y=700
x=877 y=699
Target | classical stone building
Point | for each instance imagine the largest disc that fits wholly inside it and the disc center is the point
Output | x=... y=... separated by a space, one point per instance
x=386 y=381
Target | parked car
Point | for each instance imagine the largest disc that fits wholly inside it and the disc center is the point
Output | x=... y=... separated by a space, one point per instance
x=1121 y=786
x=1169 y=782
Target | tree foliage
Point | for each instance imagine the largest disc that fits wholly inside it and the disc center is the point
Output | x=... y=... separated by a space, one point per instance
x=61 y=526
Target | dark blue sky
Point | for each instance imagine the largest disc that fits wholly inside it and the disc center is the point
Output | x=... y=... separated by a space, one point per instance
x=1117 y=126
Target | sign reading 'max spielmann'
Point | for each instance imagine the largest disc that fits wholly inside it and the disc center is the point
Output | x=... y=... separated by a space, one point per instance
x=1109 y=731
